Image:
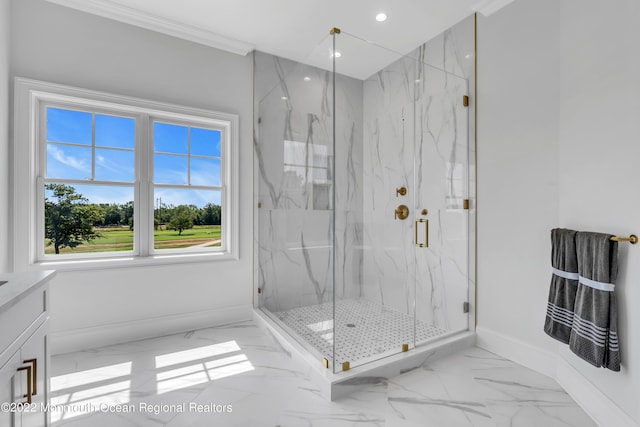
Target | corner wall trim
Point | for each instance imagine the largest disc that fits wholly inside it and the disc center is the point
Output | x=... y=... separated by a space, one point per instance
x=117 y=333
x=598 y=406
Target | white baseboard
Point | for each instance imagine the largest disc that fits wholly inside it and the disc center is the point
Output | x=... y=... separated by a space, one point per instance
x=598 y=406
x=116 y=333
x=519 y=351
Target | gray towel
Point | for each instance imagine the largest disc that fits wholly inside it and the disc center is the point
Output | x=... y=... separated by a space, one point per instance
x=564 y=284
x=594 y=334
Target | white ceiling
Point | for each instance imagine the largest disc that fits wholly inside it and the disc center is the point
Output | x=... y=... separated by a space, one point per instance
x=292 y=29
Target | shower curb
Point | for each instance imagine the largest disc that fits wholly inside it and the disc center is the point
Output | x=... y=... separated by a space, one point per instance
x=334 y=386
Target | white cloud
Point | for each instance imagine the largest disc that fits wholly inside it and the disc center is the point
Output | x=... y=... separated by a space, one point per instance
x=70 y=161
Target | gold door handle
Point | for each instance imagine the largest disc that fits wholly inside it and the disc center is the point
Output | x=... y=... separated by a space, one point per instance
x=426 y=233
x=29 y=383
x=34 y=376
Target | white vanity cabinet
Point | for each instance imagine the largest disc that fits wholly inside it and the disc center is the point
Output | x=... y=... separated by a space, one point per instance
x=24 y=354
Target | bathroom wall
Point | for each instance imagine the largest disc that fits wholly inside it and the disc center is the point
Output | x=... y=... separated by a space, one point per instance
x=5 y=49
x=599 y=151
x=414 y=117
x=90 y=308
x=557 y=146
x=294 y=175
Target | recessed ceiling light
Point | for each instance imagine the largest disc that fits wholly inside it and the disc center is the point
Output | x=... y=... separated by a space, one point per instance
x=284 y=98
x=307 y=79
x=381 y=17
x=417 y=81
x=468 y=55
x=336 y=54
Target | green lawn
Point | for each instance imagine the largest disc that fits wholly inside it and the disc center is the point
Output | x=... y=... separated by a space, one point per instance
x=121 y=239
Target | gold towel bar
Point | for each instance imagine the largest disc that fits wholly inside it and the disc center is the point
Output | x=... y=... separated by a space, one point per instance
x=633 y=239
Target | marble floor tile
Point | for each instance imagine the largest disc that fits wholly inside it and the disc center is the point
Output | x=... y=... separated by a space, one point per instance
x=240 y=375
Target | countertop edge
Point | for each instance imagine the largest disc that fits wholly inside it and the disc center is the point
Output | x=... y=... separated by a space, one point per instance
x=19 y=285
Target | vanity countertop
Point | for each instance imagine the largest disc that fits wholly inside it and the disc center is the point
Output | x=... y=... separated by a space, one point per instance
x=19 y=285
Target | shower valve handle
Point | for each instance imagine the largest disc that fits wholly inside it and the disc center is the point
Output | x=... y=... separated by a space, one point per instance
x=401 y=212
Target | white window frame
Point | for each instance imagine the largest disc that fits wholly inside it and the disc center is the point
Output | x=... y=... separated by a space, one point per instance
x=30 y=96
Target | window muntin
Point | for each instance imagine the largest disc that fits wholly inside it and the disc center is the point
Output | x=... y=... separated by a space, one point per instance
x=187 y=186
x=89 y=171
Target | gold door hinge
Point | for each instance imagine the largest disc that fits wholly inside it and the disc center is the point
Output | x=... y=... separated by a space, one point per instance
x=325 y=362
x=465 y=100
x=259 y=205
x=259 y=290
x=405 y=348
x=465 y=307
x=465 y=204
x=346 y=366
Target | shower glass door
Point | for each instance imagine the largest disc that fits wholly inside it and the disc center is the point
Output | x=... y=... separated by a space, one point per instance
x=441 y=188
x=401 y=227
x=375 y=293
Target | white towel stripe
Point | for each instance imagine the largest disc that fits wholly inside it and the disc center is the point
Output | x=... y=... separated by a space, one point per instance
x=591 y=325
x=563 y=319
x=560 y=309
x=584 y=325
x=564 y=274
x=560 y=321
x=586 y=334
x=609 y=287
x=598 y=343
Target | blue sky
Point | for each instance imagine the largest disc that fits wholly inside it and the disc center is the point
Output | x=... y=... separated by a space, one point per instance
x=69 y=156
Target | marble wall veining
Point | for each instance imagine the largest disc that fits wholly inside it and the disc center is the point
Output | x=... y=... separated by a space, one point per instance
x=293 y=147
x=403 y=126
x=418 y=134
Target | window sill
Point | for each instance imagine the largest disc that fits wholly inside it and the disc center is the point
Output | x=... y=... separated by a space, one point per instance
x=131 y=261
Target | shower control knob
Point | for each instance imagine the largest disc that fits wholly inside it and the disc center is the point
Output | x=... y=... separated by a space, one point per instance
x=402 y=191
x=402 y=212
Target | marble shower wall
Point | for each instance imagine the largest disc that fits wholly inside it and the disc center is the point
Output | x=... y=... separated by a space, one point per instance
x=418 y=134
x=294 y=179
x=403 y=126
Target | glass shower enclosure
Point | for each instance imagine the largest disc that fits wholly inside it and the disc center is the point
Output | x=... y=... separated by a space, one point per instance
x=363 y=183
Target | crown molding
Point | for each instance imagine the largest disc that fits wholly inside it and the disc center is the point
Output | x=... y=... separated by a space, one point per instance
x=118 y=12
x=487 y=7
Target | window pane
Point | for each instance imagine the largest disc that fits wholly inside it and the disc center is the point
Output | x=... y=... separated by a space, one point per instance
x=170 y=138
x=205 y=142
x=118 y=132
x=187 y=218
x=68 y=126
x=115 y=165
x=88 y=218
x=205 y=171
x=69 y=162
x=170 y=169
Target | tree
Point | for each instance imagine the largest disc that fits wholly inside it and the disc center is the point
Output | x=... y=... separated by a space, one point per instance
x=181 y=219
x=112 y=214
x=69 y=218
x=211 y=214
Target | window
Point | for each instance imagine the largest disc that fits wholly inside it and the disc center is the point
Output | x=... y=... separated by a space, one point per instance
x=110 y=179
